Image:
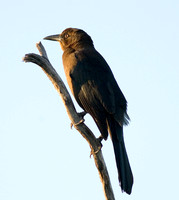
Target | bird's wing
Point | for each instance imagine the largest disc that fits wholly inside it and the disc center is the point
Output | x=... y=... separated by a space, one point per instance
x=95 y=87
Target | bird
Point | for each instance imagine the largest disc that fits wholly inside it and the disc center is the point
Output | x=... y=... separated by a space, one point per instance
x=97 y=92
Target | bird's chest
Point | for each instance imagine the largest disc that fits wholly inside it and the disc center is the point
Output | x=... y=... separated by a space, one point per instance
x=69 y=63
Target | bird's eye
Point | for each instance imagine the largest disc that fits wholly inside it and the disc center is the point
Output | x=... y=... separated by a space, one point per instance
x=66 y=36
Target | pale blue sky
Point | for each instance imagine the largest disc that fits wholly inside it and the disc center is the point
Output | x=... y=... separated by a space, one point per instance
x=40 y=156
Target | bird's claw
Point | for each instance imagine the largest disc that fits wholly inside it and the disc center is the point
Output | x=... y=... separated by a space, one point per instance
x=76 y=124
x=81 y=115
x=99 y=147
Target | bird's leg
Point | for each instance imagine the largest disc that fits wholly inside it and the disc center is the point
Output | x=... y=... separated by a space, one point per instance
x=99 y=139
x=81 y=115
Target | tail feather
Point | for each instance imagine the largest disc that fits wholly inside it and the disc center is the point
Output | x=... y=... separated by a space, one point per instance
x=124 y=170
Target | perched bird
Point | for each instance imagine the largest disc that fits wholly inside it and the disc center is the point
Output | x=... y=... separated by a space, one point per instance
x=95 y=89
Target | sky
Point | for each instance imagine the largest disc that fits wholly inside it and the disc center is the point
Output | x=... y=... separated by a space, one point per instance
x=41 y=157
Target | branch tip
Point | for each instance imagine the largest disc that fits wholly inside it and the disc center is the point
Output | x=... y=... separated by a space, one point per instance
x=41 y=49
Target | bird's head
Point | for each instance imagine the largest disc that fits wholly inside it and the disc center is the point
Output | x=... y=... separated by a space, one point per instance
x=71 y=38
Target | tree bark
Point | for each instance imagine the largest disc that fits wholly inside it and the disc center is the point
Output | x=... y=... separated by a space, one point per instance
x=76 y=119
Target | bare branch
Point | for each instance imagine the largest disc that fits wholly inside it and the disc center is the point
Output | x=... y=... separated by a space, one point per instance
x=76 y=119
x=42 y=50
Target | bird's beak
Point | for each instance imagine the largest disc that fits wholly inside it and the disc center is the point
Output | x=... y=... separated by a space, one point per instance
x=54 y=37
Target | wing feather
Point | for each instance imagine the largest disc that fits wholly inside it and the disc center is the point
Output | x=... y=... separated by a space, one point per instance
x=96 y=89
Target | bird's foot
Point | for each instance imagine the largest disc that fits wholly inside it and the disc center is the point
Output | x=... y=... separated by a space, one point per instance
x=100 y=138
x=99 y=147
x=76 y=124
x=81 y=115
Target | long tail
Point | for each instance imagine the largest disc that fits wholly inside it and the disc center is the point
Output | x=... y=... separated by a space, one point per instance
x=124 y=170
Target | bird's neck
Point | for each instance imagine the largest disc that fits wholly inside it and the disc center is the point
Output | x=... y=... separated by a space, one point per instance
x=81 y=45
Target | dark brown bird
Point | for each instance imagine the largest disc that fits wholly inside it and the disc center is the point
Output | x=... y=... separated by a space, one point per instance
x=95 y=89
